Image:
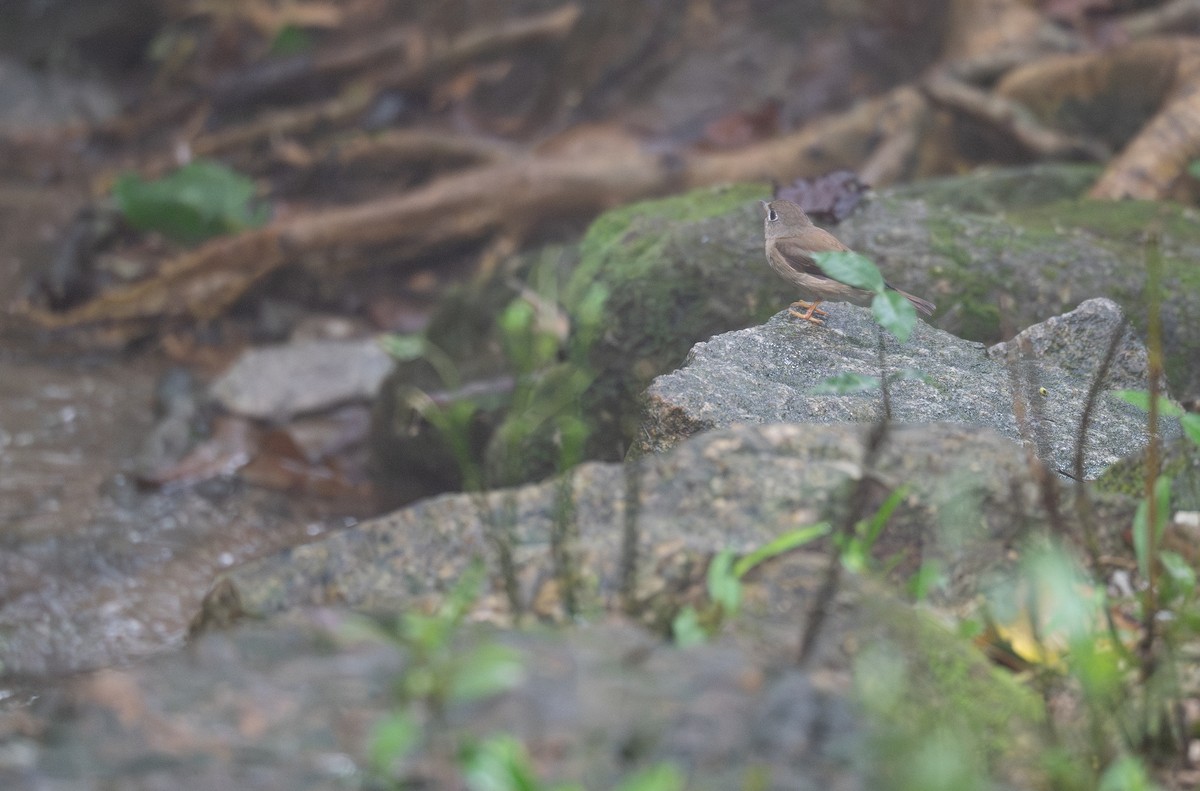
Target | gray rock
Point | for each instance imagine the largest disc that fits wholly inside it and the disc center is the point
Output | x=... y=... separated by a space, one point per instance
x=769 y=374
x=972 y=495
x=275 y=383
x=994 y=261
x=290 y=705
x=31 y=101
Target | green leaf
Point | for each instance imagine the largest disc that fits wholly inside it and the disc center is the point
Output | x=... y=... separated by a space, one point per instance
x=499 y=764
x=1193 y=168
x=873 y=526
x=1127 y=774
x=1141 y=400
x=1141 y=540
x=1180 y=575
x=573 y=433
x=724 y=588
x=1191 y=427
x=846 y=384
x=488 y=670
x=924 y=579
x=392 y=738
x=426 y=632
x=589 y=316
x=291 y=40
x=851 y=268
x=686 y=628
x=855 y=557
x=404 y=348
x=516 y=327
x=661 y=777
x=895 y=314
x=201 y=200
x=788 y=541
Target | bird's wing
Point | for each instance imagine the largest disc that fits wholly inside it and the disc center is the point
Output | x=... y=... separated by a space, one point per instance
x=798 y=254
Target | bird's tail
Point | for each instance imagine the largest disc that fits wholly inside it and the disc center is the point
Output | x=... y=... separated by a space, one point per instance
x=922 y=305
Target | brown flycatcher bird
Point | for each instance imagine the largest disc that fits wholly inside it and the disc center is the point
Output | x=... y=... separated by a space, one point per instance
x=791 y=241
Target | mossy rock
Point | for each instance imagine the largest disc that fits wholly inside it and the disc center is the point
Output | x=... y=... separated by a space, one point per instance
x=992 y=274
x=1180 y=462
x=997 y=251
x=931 y=696
x=674 y=272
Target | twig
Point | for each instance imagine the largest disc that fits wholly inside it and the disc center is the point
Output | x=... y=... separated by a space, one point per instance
x=1170 y=18
x=468 y=205
x=485 y=43
x=903 y=125
x=403 y=146
x=823 y=600
x=1083 y=503
x=1010 y=118
x=1153 y=450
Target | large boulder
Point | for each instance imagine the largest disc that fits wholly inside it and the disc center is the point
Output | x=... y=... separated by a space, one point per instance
x=770 y=374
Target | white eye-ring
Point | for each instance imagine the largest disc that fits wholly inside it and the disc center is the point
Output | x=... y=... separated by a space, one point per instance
x=771 y=215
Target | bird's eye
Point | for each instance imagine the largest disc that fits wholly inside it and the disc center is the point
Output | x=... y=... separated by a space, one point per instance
x=771 y=215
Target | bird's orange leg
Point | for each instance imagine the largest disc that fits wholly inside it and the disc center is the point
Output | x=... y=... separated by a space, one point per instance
x=812 y=312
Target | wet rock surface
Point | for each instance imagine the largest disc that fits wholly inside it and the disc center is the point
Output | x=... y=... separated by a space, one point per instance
x=94 y=570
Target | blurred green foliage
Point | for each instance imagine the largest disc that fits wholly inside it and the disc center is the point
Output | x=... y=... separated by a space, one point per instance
x=200 y=200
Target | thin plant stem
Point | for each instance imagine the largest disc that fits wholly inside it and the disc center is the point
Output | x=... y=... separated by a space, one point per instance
x=1153 y=450
x=823 y=600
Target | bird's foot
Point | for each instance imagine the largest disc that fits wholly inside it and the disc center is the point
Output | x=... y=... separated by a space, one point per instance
x=811 y=312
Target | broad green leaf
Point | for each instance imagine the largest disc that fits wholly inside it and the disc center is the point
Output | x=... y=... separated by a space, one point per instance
x=1141 y=540
x=516 y=326
x=855 y=555
x=427 y=632
x=723 y=586
x=1181 y=576
x=787 y=541
x=895 y=314
x=1191 y=427
x=1141 y=400
x=489 y=669
x=850 y=268
x=201 y=200
x=391 y=739
x=1127 y=773
x=846 y=384
x=291 y=40
x=1096 y=665
x=499 y=764
x=686 y=628
x=589 y=316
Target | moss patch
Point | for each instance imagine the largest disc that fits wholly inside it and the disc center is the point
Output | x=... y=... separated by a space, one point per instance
x=926 y=690
x=623 y=242
x=674 y=272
